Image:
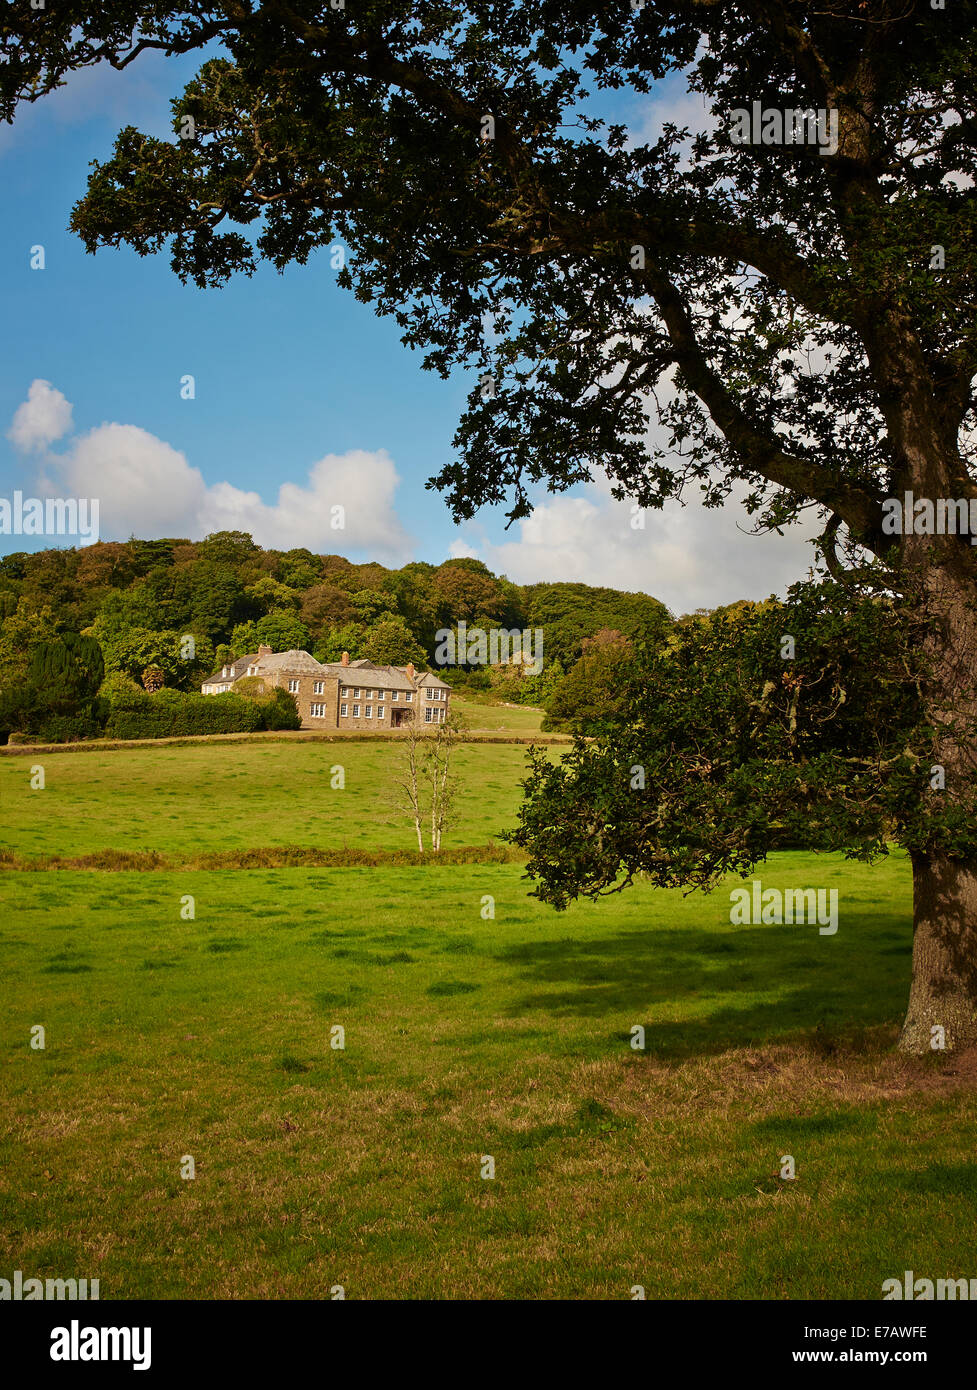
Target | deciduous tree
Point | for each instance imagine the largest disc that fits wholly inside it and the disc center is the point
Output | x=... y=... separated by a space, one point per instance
x=799 y=317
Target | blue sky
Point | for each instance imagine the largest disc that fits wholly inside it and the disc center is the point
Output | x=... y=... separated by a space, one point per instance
x=291 y=375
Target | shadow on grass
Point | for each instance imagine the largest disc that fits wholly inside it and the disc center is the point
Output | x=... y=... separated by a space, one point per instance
x=722 y=989
x=938 y=1179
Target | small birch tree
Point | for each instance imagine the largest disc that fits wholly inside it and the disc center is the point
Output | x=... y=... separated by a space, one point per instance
x=406 y=786
x=439 y=775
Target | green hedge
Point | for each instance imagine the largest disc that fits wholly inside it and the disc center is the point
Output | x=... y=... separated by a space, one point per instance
x=171 y=713
x=280 y=711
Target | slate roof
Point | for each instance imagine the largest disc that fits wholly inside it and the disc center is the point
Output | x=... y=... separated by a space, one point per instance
x=374 y=677
x=293 y=660
x=235 y=668
x=426 y=678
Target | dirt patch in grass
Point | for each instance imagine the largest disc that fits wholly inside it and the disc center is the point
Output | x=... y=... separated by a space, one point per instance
x=797 y=1076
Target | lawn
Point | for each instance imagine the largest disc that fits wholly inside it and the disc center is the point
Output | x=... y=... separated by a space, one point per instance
x=466 y=1036
x=503 y=719
x=187 y=798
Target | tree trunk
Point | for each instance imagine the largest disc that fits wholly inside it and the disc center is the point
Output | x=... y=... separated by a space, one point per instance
x=943 y=996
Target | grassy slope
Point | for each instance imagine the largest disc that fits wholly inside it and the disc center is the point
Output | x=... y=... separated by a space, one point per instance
x=507 y=719
x=465 y=1037
x=239 y=796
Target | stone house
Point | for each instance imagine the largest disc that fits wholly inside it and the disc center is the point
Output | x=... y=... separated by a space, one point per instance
x=343 y=694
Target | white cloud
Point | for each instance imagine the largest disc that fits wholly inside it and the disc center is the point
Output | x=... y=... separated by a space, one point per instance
x=673 y=104
x=689 y=557
x=145 y=487
x=461 y=550
x=360 y=482
x=137 y=95
x=44 y=417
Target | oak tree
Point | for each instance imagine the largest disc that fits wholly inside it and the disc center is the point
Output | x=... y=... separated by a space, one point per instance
x=793 y=315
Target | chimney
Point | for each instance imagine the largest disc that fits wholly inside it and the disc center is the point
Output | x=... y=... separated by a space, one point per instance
x=410 y=670
x=264 y=651
x=345 y=660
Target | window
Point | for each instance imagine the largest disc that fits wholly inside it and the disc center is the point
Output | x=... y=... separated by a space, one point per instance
x=431 y=694
x=318 y=687
x=369 y=711
x=441 y=716
x=379 y=711
x=342 y=710
x=293 y=687
x=427 y=715
x=317 y=711
x=356 y=711
x=394 y=696
x=408 y=695
x=345 y=691
x=356 y=693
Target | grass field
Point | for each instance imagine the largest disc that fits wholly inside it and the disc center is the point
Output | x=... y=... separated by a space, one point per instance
x=207 y=796
x=465 y=1036
x=507 y=719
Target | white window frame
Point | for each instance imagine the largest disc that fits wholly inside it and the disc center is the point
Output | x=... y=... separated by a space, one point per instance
x=368 y=712
x=356 y=693
x=317 y=710
x=356 y=711
x=318 y=687
x=345 y=692
x=408 y=695
x=293 y=687
x=379 y=711
x=427 y=715
x=342 y=711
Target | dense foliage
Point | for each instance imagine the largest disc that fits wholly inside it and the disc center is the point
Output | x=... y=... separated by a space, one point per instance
x=796 y=722
x=58 y=698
